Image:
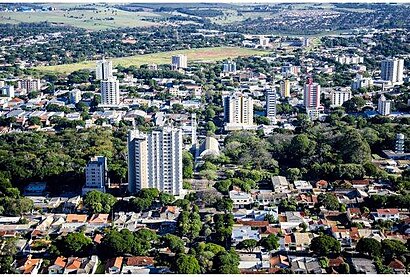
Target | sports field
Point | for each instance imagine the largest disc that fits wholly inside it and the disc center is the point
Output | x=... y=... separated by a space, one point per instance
x=194 y=55
x=101 y=18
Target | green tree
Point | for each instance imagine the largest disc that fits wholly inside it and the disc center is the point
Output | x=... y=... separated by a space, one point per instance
x=393 y=249
x=187 y=264
x=325 y=245
x=329 y=201
x=99 y=202
x=226 y=262
x=74 y=244
x=211 y=127
x=247 y=244
x=271 y=242
x=370 y=247
x=175 y=244
x=187 y=165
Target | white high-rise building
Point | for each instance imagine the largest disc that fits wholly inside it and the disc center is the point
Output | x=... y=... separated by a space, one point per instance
x=155 y=160
x=238 y=111
x=103 y=69
x=338 y=97
x=392 y=70
x=361 y=82
x=29 y=85
x=383 y=105
x=110 y=92
x=229 y=67
x=399 y=149
x=179 y=61
x=75 y=96
x=271 y=105
x=96 y=174
x=285 y=88
x=7 y=91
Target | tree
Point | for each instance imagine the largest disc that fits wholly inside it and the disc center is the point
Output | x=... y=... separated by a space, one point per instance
x=166 y=198
x=354 y=148
x=74 y=244
x=247 y=244
x=224 y=204
x=175 y=244
x=187 y=264
x=271 y=242
x=370 y=247
x=187 y=165
x=393 y=248
x=329 y=201
x=325 y=245
x=99 y=202
x=189 y=224
x=211 y=127
x=226 y=262
x=34 y=120
x=355 y=104
x=223 y=186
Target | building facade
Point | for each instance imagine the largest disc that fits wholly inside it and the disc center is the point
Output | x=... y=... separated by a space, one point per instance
x=75 y=96
x=338 y=97
x=29 y=85
x=238 y=111
x=96 y=175
x=179 y=61
x=271 y=105
x=229 y=67
x=285 y=88
x=110 y=92
x=399 y=149
x=155 y=160
x=383 y=105
x=392 y=70
x=103 y=70
x=7 y=91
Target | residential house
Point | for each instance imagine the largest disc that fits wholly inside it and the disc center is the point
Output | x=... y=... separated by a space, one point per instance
x=281 y=185
x=387 y=214
x=138 y=265
x=58 y=266
x=296 y=241
x=362 y=266
x=240 y=199
x=113 y=265
x=305 y=265
x=28 y=265
x=240 y=233
x=303 y=186
x=279 y=261
x=397 y=266
x=84 y=265
x=253 y=261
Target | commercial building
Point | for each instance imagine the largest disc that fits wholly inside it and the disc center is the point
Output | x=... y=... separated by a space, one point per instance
x=179 y=61
x=103 y=69
x=96 y=175
x=271 y=105
x=110 y=92
x=383 y=105
x=392 y=70
x=339 y=96
x=238 y=111
x=155 y=160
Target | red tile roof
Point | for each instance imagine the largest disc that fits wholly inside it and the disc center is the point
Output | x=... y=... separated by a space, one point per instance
x=139 y=261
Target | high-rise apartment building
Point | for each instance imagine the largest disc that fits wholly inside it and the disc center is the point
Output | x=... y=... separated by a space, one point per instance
x=96 y=174
x=339 y=96
x=392 y=70
x=110 y=92
x=103 y=69
x=75 y=96
x=285 y=88
x=29 y=85
x=311 y=94
x=383 y=105
x=7 y=91
x=179 y=61
x=399 y=149
x=155 y=160
x=271 y=105
x=238 y=111
x=229 y=67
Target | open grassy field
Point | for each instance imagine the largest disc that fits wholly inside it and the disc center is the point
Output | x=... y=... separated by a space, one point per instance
x=99 y=19
x=194 y=55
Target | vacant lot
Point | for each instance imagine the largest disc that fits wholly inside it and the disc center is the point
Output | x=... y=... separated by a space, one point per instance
x=194 y=55
x=98 y=19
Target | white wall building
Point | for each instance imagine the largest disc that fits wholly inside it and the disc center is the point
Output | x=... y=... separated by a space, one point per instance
x=383 y=105
x=103 y=70
x=338 y=97
x=271 y=105
x=110 y=92
x=75 y=96
x=229 y=67
x=392 y=70
x=96 y=177
x=29 y=85
x=159 y=154
x=238 y=111
x=7 y=91
x=179 y=61
x=361 y=82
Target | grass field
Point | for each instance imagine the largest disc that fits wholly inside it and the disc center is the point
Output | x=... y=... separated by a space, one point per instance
x=100 y=19
x=194 y=55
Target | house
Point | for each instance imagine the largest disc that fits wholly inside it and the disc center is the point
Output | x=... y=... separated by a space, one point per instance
x=85 y=265
x=240 y=199
x=397 y=266
x=363 y=265
x=98 y=219
x=281 y=185
x=76 y=218
x=334 y=264
x=305 y=265
x=113 y=265
x=58 y=266
x=303 y=186
x=387 y=214
x=252 y=261
x=290 y=220
x=296 y=241
x=138 y=265
x=279 y=261
x=28 y=265
x=240 y=233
